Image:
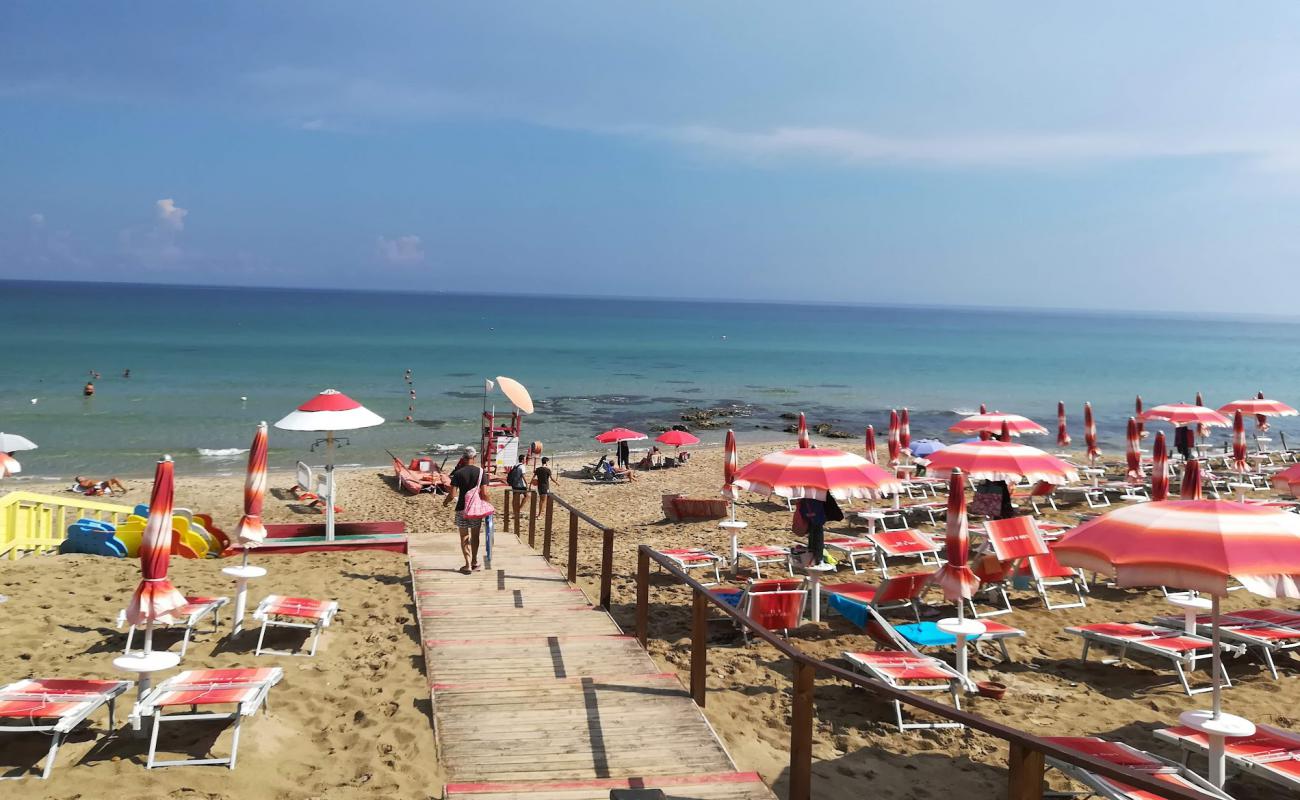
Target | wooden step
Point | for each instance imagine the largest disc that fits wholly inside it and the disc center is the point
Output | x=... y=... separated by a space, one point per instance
x=720 y=786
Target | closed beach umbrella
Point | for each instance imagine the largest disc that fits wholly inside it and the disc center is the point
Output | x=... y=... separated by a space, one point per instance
x=1201 y=430
x=1261 y=420
x=250 y=530
x=895 y=444
x=871 y=445
x=677 y=438
x=616 y=435
x=1005 y=435
x=1090 y=433
x=1259 y=406
x=984 y=409
x=1133 y=453
x=155 y=599
x=905 y=430
x=1062 y=432
x=1159 y=468
x=730 y=463
x=13 y=443
x=816 y=472
x=1190 y=488
x=9 y=465
x=1184 y=414
x=1002 y=461
x=1239 y=462
x=804 y=439
x=1137 y=410
x=993 y=423
x=954 y=577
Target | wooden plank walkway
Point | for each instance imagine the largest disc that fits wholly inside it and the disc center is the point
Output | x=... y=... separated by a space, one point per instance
x=537 y=694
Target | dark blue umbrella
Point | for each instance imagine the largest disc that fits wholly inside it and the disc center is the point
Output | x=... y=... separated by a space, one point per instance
x=922 y=448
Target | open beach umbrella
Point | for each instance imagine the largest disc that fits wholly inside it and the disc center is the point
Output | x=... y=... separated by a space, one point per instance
x=515 y=393
x=816 y=472
x=1090 y=434
x=993 y=423
x=675 y=438
x=871 y=445
x=804 y=439
x=9 y=465
x=1190 y=488
x=1159 y=468
x=1062 y=432
x=1198 y=545
x=250 y=530
x=1137 y=411
x=13 y=443
x=329 y=412
x=1002 y=461
x=1133 y=453
x=905 y=430
x=616 y=435
x=1239 y=462
x=1288 y=480
x=155 y=599
x=895 y=443
x=923 y=448
x=1184 y=414
x=1259 y=406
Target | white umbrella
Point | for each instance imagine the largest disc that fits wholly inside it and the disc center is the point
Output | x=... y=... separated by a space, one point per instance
x=12 y=443
x=327 y=412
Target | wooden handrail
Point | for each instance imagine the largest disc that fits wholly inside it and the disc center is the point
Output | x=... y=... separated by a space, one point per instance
x=560 y=501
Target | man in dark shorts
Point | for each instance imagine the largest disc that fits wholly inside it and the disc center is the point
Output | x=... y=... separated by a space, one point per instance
x=517 y=480
x=464 y=480
x=542 y=477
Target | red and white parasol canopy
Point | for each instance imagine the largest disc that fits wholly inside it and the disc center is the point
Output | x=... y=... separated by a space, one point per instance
x=992 y=423
x=1002 y=461
x=676 y=438
x=1180 y=414
x=814 y=472
x=9 y=465
x=615 y=435
x=1288 y=480
x=331 y=410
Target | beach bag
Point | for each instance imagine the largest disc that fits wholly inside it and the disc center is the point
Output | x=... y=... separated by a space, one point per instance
x=799 y=525
x=476 y=506
x=986 y=504
x=833 y=512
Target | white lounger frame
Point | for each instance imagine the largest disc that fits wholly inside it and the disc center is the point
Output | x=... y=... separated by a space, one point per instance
x=243 y=709
x=758 y=561
x=269 y=621
x=1257 y=768
x=1181 y=663
x=62 y=725
x=1110 y=789
x=713 y=562
x=191 y=622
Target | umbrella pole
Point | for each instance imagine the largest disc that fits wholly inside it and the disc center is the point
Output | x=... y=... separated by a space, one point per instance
x=1217 y=704
x=329 y=486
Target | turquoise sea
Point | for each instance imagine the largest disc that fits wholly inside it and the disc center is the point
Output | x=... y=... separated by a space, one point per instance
x=208 y=363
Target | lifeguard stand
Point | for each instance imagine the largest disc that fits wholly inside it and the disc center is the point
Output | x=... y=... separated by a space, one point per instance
x=500 y=443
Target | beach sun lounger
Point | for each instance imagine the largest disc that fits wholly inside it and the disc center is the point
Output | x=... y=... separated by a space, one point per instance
x=1271 y=754
x=1122 y=755
x=1018 y=544
x=850 y=548
x=193 y=613
x=293 y=612
x=1184 y=650
x=906 y=543
x=55 y=706
x=777 y=604
x=310 y=488
x=897 y=591
x=689 y=558
x=904 y=667
x=1268 y=631
x=759 y=555
x=244 y=689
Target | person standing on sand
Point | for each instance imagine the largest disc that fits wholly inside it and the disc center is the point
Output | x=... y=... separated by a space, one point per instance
x=542 y=477
x=466 y=479
x=624 y=454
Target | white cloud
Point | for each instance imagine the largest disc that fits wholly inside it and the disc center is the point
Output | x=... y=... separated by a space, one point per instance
x=170 y=214
x=402 y=250
x=317 y=124
x=37 y=219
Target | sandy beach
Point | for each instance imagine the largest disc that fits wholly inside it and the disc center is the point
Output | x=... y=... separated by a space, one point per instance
x=353 y=722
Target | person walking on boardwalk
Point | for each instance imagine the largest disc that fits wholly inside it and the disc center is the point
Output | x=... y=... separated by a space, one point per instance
x=542 y=477
x=467 y=481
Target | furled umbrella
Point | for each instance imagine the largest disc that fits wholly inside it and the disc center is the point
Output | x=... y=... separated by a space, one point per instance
x=730 y=465
x=994 y=423
x=1190 y=487
x=9 y=465
x=895 y=443
x=13 y=443
x=1005 y=434
x=250 y=531
x=1259 y=406
x=1090 y=434
x=1062 y=432
x=905 y=430
x=871 y=445
x=1202 y=431
x=804 y=439
x=1159 y=468
x=1133 y=452
x=1002 y=461
x=984 y=409
x=1137 y=412
x=1261 y=420
x=954 y=577
x=1239 y=462
x=329 y=412
x=1201 y=546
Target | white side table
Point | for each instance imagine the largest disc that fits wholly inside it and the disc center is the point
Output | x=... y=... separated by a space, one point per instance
x=144 y=665
x=1191 y=605
x=815 y=572
x=1217 y=730
x=735 y=526
x=963 y=629
x=242 y=576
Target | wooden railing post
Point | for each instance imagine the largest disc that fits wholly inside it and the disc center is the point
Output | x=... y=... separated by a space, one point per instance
x=642 y=596
x=516 y=505
x=1025 y=779
x=606 y=568
x=699 y=645
x=532 y=519
x=505 y=511
x=801 y=731
x=546 y=529
x=573 y=546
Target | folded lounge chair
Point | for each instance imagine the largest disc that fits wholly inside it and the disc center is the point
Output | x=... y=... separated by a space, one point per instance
x=689 y=558
x=850 y=548
x=310 y=488
x=1122 y=755
x=245 y=689
x=1266 y=630
x=906 y=543
x=55 y=707
x=1183 y=649
x=853 y=603
x=293 y=612
x=777 y=604
x=191 y=614
x=1271 y=754
x=1017 y=542
x=759 y=555
x=904 y=667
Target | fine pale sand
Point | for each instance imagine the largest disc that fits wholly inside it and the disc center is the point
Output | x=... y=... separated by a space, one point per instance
x=353 y=721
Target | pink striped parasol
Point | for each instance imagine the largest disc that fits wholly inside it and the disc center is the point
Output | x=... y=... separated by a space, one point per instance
x=804 y=439
x=250 y=530
x=1183 y=414
x=994 y=423
x=814 y=472
x=1002 y=461
x=1261 y=408
x=1239 y=462
x=954 y=577
x=871 y=445
x=1137 y=410
x=1159 y=468
x=9 y=465
x=1288 y=480
x=1190 y=488
x=1202 y=431
x=905 y=430
x=1133 y=453
x=730 y=463
x=1090 y=433
x=1062 y=432
x=155 y=599
x=895 y=443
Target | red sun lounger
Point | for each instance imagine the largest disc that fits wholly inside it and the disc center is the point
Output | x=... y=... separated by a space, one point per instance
x=1122 y=755
x=1184 y=650
x=850 y=548
x=293 y=612
x=1255 y=629
x=765 y=554
x=1018 y=544
x=906 y=543
x=55 y=706
x=244 y=689
x=1271 y=754
x=189 y=615
x=689 y=558
x=912 y=672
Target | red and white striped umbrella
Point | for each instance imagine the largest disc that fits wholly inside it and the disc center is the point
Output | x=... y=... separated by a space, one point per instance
x=1137 y=409
x=1288 y=480
x=871 y=445
x=730 y=463
x=895 y=443
x=905 y=430
x=331 y=410
x=813 y=472
x=984 y=409
x=9 y=465
x=1201 y=430
x=1159 y=468
x=804 y=439
x=1182 y=414
x=1261 y=408
x=155 y=599
x=1002 y=461
x=676 y=438
x=954 y=577
x=1261 y=420
x=1190 y=488
x=250 y=529
x=1239 y=462
x=1090 y=433
x=1062 y=432
x=993 y=423
x=1133 y=453
x=615 y=435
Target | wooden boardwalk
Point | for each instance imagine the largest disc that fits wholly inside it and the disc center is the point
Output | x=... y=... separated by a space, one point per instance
x=537 y=694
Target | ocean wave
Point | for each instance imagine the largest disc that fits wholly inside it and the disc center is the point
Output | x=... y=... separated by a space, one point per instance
x=222 y=452
x=439 y=449
x=963 y=412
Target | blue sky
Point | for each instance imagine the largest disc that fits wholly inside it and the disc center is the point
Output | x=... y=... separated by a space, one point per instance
x=1099 y=155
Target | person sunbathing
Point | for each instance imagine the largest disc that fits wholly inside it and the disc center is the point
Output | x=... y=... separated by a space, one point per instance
x=94 y=487
x=620 y=472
